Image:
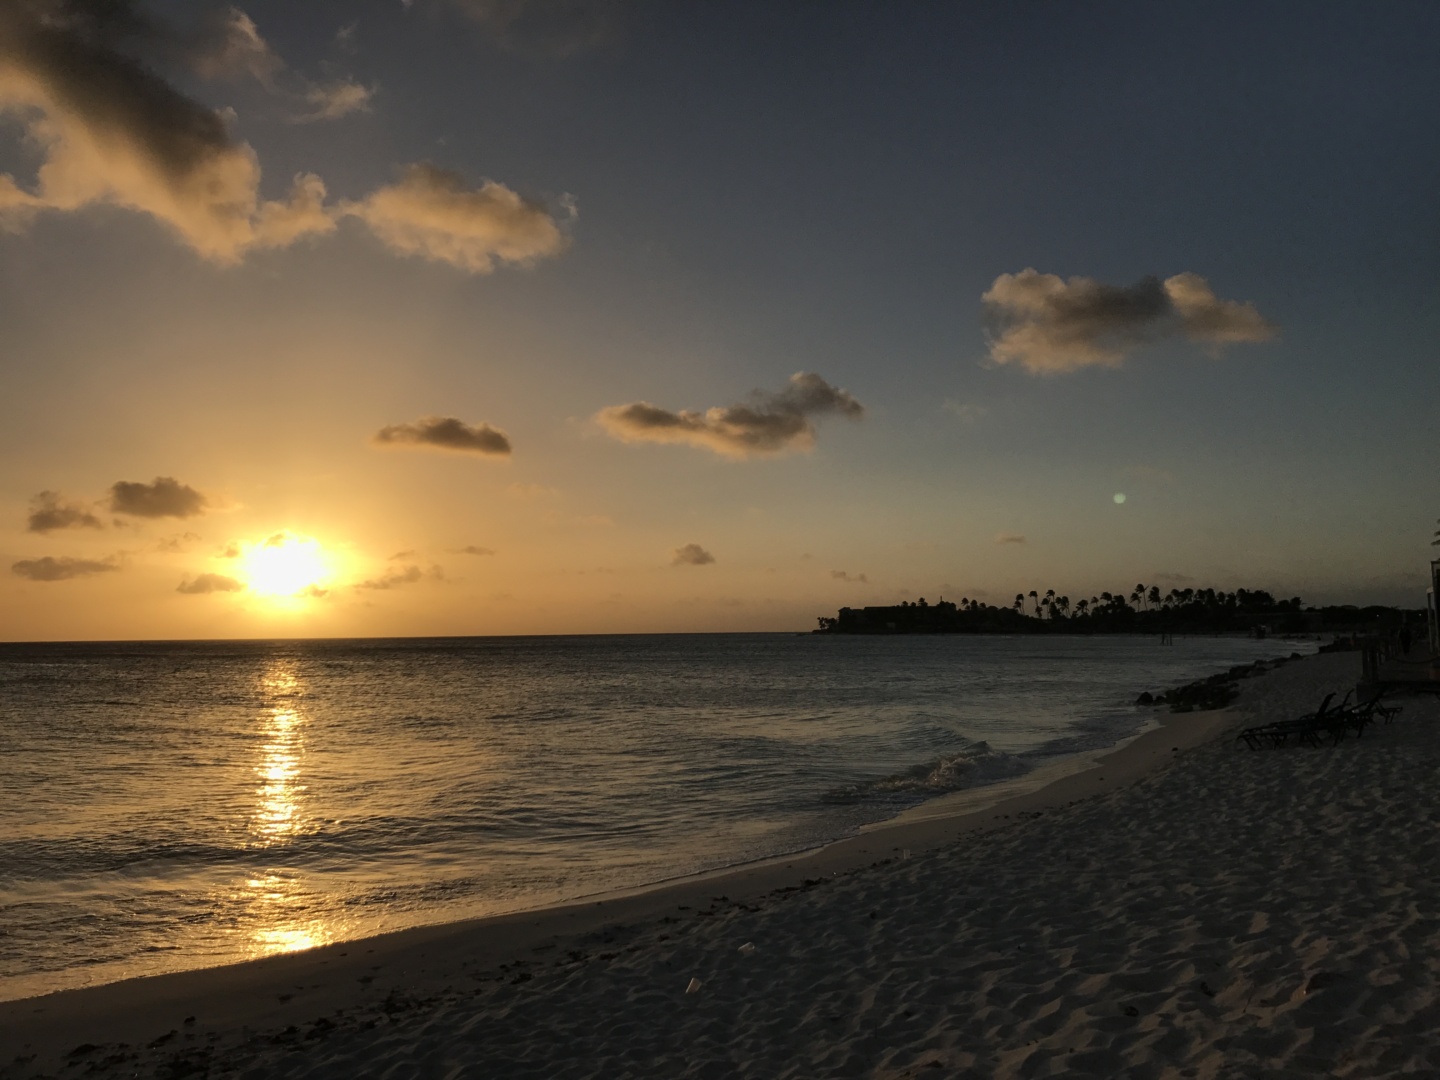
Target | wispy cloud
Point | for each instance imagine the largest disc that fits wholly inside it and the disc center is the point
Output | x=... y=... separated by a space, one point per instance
x=966 y=412
x=432 y=213
x=770 y=423
x=473 y=549
x=49 y=511
x=394 y=579
x=690 y=555
x=1049 y=325
x=1009 y=538
x=331 y=101
x=543 y=28
x=165 y=497
x=209 y=583
x=841 y=575
x=50 y=568
x=446 y=433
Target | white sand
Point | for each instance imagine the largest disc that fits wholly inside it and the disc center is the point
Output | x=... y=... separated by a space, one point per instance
x=1187 y=912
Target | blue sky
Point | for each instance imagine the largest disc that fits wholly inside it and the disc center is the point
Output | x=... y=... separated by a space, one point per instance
x=735 y=193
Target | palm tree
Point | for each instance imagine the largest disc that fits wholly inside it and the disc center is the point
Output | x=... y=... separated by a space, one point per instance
x=1138 y=595
x=1019 y=604
x=1035 y=599
x=1154 y=595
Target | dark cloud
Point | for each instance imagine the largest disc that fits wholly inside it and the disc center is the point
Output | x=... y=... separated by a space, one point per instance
x=445 y=433
x=1050 y=325
x=209 y=583
x=545 y=28
x=166 y=497
x=431 y=212
x=79 y=75
x=691 y=555
x=49 y=512
x=64 y=568
x=770 y=424
x=841 y=575
x=472 y=549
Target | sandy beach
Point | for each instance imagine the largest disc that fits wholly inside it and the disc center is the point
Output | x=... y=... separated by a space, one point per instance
x=1183 y=908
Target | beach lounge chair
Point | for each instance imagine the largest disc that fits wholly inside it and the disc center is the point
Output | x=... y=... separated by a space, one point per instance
x=1365 y=713
x=1304 y=729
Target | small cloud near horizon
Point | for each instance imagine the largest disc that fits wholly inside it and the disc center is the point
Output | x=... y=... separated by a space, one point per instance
x=394 y=579
x=1009 y=538
x=841 y=575
x=1049 y=325
x=209 y=583
x=772 y=422
x=63 y=568
x=473 y=549
x=691 y=555
x=165 y=497
x=49 y=512
x=445 y=433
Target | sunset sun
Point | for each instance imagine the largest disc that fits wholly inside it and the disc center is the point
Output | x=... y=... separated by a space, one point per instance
x=284 y=565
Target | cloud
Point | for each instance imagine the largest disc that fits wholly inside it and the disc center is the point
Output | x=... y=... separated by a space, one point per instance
x=230 y=551
x=1049 y=325
x=64 y=568
x=178 y=542
x=445 y=433
x=78 y=75
x=967 y=413
x=691 y=555
x=232 y=46
x=432 y=214
x=1009 y=538
x=331 y=101
x=472 y=549
x=546 y=28
x=209 y=583
x=841 y=575
x=49 y=512
x=166 y=497
x=771 y=423
x=410 y=554
x=393 y=579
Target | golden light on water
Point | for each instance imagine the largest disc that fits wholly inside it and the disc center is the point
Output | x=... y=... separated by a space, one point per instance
x=276 y=902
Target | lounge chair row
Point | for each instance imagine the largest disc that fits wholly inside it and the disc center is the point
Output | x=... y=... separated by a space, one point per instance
x=1309 y=729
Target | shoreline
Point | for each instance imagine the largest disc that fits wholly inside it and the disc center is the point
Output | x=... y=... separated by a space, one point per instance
x=287 y=989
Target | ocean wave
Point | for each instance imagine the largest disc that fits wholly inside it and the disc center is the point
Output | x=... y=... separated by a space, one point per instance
x=977 y=765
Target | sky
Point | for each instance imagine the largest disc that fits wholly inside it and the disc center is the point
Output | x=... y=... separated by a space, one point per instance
x=373 y=318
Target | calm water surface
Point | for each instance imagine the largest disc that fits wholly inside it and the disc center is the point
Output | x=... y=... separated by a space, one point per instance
x=168 y=806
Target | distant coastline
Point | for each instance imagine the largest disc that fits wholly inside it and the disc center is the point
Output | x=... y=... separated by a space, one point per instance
x=1145 y=611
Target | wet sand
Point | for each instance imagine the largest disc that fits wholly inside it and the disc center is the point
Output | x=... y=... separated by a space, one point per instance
x=1185 y=907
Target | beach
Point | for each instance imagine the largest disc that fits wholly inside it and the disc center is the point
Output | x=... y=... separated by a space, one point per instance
x=1184 y=907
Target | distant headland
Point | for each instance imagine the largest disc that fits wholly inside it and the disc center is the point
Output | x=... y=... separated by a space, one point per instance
x=1142 y=610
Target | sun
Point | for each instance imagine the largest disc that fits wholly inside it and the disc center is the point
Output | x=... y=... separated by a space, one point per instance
x=284 y=564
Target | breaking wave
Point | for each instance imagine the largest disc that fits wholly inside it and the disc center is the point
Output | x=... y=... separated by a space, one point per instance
x=978 y=765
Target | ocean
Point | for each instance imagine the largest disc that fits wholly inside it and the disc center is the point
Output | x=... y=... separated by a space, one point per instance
x=167 y=806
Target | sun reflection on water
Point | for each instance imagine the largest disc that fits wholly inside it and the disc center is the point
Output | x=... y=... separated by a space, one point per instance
x=276 y=901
